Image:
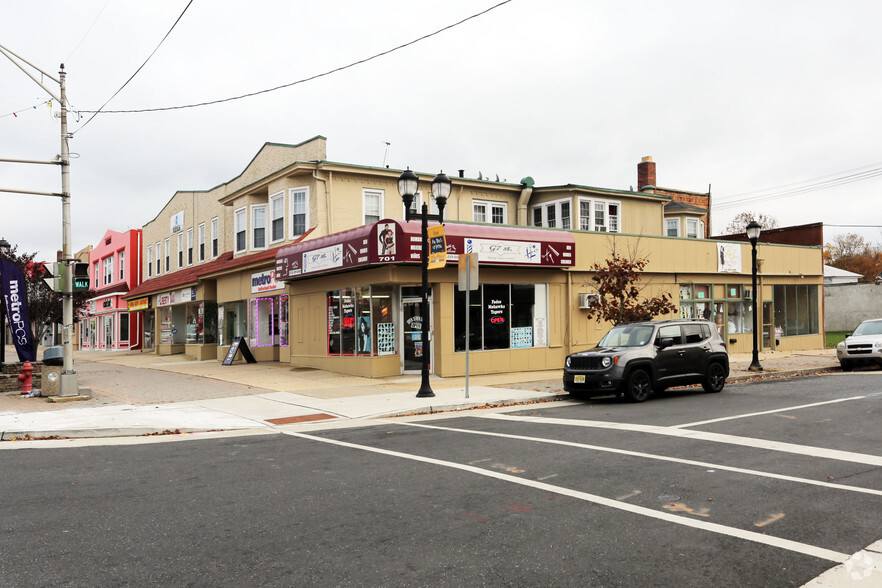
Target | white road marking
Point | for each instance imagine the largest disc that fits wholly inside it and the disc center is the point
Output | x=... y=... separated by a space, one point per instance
x=692 y=462
x=873 y=460
x=778 y=542
x=753 y=414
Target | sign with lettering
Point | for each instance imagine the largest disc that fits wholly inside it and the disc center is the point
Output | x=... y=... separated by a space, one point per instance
x=239 y=344
x=437 y=247
x=139 y=304
x=323 y=259
x=264 y=282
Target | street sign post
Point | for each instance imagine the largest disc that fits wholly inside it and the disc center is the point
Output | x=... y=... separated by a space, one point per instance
x=468 y=281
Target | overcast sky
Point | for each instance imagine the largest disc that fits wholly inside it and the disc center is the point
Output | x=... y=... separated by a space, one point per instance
x=763 y=100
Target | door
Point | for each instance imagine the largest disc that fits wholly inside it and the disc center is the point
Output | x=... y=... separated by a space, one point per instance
x=670 y=361
x=108 y=332
x=413 y=344
x=768 y=339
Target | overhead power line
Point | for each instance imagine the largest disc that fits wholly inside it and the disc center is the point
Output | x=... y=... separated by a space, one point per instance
x=95 y=112
x=304 y=80
x=793 y=189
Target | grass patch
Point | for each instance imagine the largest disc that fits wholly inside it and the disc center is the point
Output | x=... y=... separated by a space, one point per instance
x=834 y=338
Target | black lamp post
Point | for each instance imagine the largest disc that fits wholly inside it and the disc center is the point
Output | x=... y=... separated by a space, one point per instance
x=4 y=251
x=753 y=233
x=408 y=183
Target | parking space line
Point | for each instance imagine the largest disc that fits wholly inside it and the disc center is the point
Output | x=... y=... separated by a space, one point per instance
x=753 y=414
x=873 y=460
x=769 y=540
x=679 y=460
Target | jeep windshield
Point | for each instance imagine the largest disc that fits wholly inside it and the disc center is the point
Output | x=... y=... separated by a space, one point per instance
x=627 y=336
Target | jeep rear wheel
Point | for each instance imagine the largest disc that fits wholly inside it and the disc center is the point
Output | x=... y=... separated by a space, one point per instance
x=715 y=378
x=846 y=365
x=638 y=387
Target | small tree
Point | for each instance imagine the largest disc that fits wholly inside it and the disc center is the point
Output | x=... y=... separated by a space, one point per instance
x=616 y=281
x=853 y=253
x=742 y=219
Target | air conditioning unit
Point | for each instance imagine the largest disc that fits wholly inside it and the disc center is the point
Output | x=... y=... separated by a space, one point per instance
x=748 y=294
x=601 y=228
x=588 y=300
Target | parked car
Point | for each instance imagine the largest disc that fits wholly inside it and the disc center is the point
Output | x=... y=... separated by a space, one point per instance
x=635 y=359
x=861 y=347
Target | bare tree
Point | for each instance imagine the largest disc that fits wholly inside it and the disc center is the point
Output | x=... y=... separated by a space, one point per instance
x=741 y=220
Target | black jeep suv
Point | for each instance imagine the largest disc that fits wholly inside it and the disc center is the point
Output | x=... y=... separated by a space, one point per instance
x=635 y=359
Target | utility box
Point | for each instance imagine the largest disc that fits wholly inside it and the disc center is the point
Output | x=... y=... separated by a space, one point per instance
x=50 y=381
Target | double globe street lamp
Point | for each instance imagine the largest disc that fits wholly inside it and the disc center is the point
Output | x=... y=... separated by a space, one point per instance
x=753 y=233
x=408 y=185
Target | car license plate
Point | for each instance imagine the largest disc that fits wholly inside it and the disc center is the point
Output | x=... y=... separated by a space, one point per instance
x=579 y=379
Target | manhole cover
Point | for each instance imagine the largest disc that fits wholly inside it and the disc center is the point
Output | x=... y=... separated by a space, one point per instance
x=668 y=497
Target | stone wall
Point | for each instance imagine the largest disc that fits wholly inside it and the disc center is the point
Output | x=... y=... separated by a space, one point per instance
x=846 y=305
x=9 y=377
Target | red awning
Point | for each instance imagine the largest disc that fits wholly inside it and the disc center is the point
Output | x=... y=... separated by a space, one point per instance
x=392 y=241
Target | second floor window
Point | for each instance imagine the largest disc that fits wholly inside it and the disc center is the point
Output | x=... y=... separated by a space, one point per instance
x=489 y=212
x=168 y=255
x=373 y=205
x=672 y=227
x=553 y=214
x=189 y=246
x=258 y=227
x=241 y=228
x=158 y=258
x=121 y=259
x=201 y=240
x=108 y=269
x=599 y=215
x=299 y=209
x=180 y=250
x=214 y=237
x=277 y=217
x=149 y=262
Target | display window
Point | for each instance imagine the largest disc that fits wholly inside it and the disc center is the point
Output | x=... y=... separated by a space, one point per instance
x=501 y=316
x=796 y=310
x=360 y=321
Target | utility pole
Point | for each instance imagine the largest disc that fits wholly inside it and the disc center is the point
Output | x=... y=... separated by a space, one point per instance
x=68 y=385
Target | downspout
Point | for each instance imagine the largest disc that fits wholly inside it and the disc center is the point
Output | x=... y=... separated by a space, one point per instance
x=526 y=192
x=318 y=178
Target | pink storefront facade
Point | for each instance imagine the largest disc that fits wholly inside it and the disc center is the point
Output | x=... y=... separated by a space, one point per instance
x=107 y=324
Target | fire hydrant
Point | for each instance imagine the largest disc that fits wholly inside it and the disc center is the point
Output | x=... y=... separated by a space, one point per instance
x=25 y=377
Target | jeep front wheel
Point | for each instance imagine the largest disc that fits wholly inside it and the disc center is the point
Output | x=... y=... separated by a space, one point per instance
x=638 y=386
x=715 y=378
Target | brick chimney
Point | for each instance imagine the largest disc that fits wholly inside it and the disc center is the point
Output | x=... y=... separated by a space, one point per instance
x=645 y=173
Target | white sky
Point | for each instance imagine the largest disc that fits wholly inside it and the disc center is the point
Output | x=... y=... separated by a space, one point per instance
x=744 y=96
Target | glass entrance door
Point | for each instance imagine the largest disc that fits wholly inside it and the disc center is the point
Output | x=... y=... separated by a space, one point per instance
x=413 y=344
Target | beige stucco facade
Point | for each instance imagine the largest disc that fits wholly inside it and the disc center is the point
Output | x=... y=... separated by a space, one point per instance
x=289 y=194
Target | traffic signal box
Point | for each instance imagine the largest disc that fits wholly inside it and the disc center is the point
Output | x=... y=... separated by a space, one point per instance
x=55 y=276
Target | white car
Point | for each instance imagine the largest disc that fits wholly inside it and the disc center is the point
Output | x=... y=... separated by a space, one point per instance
x=862 y=346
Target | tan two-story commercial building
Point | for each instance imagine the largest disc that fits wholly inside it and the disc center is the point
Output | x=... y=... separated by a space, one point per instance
x=291 y=258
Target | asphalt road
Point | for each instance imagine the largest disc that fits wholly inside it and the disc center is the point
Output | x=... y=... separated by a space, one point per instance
x=766 y=484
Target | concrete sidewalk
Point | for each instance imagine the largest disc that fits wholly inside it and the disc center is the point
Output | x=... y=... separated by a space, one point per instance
x=136 y=393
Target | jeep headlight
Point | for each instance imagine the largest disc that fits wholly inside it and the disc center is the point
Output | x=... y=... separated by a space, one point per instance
x=878 y=344
x=606 y=362
x=840 y=346
x=567 y=364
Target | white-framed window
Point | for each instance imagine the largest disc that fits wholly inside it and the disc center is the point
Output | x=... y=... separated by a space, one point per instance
x=277 y=217
x=108 y=269
x=554 y=214
x=121 y=260
x=149 y=261
x=94 y=273
x=299 y=199
x=214 y=237
x=489 y=212
x=180 y=250
x=373 y=205
x=692 y=228
x=167 y=254
x=258 y=226
x=600 y=215
x=190 y=246
x=240 y=220
x=672 y=227
x=158 y=258
x=200 y=240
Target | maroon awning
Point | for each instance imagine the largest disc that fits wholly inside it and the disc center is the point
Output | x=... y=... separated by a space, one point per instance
x=393 y=241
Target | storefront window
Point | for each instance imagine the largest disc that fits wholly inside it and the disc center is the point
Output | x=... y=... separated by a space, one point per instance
x=283 y=320
x=231 y=322
x=194 y=322
x=264 y=322
x=166 y=336
x=360 y=321
x=501 y=316
x=796 y=310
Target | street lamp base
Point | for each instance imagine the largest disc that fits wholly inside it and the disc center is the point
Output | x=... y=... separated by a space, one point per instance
x=425 y=390
x=755 y=367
